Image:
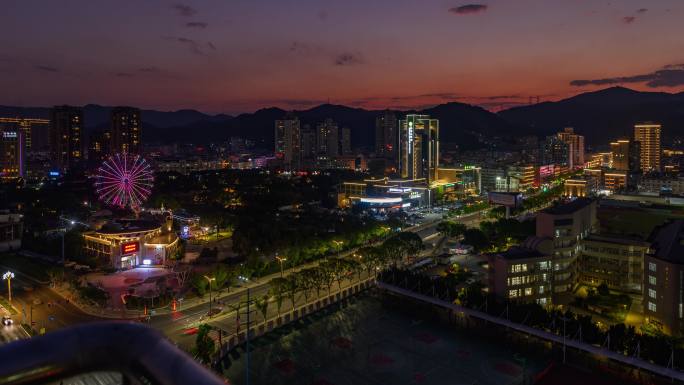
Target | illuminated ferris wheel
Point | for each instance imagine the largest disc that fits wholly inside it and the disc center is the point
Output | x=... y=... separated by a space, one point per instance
x=124 y=180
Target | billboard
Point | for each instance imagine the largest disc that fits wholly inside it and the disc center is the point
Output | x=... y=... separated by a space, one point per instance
x=508 y=199
x=130 y=248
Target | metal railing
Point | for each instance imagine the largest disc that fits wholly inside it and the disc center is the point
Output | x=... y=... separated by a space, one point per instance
x=140 y=354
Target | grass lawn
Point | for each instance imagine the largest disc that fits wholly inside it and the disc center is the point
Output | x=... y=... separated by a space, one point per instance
x=632 y=221
x=4 y=303
x=613 y=306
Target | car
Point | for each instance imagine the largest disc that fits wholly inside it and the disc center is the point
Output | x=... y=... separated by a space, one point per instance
x=7 y=321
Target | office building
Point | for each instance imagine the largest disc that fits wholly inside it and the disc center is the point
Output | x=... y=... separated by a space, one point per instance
x=35 y=131
x=386 y=136
x=288 y=142
x=663 y=295
x=66 y=133
x=126 y=130
x=327 y=139
x=616 y=261
x=575 y=147
x=419 y=147
x=620 y=154
x=648 y=136
x=13 y=153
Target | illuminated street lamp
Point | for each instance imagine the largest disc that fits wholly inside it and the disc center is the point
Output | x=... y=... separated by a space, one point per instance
x=338 y=245
x=210 y=280
x=8 y=277
x=281 y=260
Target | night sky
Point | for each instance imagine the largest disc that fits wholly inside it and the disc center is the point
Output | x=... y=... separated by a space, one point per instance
x=237 y=56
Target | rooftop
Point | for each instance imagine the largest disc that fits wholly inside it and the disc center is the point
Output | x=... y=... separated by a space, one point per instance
x=668 y=241
x=617 y=239
x=569 y=208
x=128 y=226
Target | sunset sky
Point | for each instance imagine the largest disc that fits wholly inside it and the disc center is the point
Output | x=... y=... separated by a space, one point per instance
x=236 y=56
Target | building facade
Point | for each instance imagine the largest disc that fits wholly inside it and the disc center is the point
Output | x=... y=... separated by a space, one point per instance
x=663 y=296
x=35 y=130
x=575 y=147
x=12 y=153
x=126 y=130
x=66 y=136
x=288 y=142
x=132 y=243
x=648 y=136
x=616 y=261
x=386 y=136
x=418 y=147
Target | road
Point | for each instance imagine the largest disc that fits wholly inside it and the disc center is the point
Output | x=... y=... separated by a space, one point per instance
x=44 y=307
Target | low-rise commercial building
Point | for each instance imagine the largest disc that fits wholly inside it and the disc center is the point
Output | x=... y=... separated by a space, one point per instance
x=129 y=243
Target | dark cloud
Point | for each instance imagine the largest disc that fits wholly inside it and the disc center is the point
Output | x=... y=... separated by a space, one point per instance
x=322 y=15
x=47 y=68
x=439 y=95
x=468 y=9
x=197 y=24
x=191 y=44
x=123 y=75
x=628 y=19
x=211 y=46
x=347 y=59
x=642 y=10
x=151 y=69
x=184 y=10
x=669 y=76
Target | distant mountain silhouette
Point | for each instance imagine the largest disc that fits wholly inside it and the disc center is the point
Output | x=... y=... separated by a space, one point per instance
x=602 y=116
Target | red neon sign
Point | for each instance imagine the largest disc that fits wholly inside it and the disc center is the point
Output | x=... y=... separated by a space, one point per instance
x=130 y=248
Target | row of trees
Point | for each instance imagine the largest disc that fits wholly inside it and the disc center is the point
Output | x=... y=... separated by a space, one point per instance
x=619 y=338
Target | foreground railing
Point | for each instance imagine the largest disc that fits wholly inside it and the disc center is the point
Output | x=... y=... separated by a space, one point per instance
x=139 y=354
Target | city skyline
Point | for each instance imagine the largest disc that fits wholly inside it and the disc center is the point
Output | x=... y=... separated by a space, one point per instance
x=169 y=55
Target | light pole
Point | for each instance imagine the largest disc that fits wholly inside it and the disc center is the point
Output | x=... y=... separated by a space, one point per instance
x=281 y=260
x=8 y=277
x=210 y=280
x=338 y=245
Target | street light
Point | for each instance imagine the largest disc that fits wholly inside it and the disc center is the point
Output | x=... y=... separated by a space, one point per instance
x=281 y=260
x=338 y=245
x=210 y=280
x=8 y=277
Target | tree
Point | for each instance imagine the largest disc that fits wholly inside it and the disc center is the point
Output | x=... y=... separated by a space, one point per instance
x=476 y=238
x=603 y=289
x=204 y=345
x=278 y=286
x=451 y=229
x=261 y=303
x=224 y=277
x=200 y=284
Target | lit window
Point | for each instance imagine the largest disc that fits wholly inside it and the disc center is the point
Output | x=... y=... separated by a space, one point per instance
x=651 y=293
x=541 y=289
x=528 y=291
x=512 y=293
x=651 y=279
x=652 y=306
x=651 y=266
